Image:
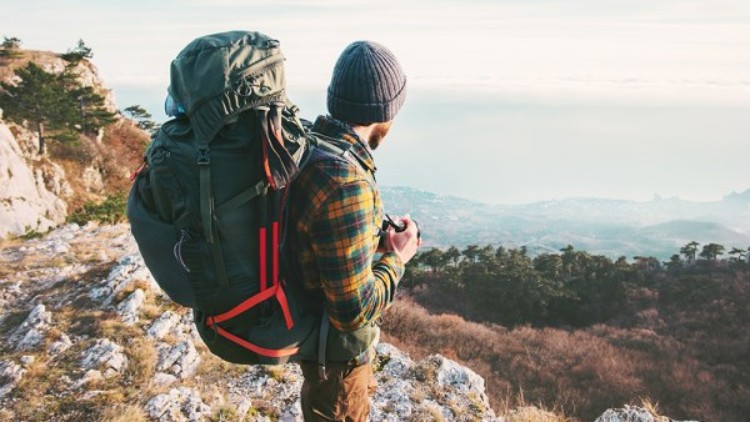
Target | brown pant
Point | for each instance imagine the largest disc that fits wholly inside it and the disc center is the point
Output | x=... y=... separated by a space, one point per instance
x=343 y=396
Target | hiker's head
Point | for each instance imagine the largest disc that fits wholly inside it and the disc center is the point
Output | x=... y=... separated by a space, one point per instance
x=368 y=87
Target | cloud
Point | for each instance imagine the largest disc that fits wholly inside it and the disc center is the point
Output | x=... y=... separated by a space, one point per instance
x=692 y=49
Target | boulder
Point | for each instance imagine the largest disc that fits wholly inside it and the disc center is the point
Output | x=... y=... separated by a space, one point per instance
x=181 y=360
x=129 y=308
x=32 y=330
x=105 y=354
x=128 y=270
x=161 y=378
x=164 y=325
x=10 y=375
x=179 y=404
x=59 y=346
x=632 y=414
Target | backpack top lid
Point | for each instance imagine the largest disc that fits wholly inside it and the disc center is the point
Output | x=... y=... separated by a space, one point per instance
x=218 y=76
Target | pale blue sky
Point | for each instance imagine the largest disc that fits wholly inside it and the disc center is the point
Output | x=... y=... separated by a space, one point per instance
x=621 y=98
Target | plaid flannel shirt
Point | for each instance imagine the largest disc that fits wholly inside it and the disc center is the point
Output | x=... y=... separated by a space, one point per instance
x=336 y=214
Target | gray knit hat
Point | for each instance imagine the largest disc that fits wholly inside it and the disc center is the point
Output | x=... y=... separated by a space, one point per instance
x=367 y=86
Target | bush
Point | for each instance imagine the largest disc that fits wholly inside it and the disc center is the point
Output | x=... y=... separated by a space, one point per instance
x=110 y=211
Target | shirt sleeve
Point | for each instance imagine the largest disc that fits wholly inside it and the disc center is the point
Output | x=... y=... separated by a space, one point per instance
x=344 y=238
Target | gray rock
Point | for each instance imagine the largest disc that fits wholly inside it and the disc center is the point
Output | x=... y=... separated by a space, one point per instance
x=60 y=346
x=181 y=360
x=179 y=404
x=164 y=325
x=27 y=360
x=395 y=363
x=632 y=414
x=161 y=378
x=186 y=328
x=450 y=373
x=436 y=385
x=128 y=270
x=26 y=202
x=401 y=395
x=107 y=355
x=10 y=375
x=129 y=308
x=92 y=179
x=277 y=387
x=92 y=375
x=32 y=330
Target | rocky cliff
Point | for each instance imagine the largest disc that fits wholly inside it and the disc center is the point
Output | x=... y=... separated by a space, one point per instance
x=31 y=190
x=86 y=334
x=38 y=192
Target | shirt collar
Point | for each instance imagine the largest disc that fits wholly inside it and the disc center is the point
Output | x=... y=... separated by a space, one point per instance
x=329 y=126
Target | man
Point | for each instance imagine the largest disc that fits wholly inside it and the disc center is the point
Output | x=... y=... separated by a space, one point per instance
x=335 y=221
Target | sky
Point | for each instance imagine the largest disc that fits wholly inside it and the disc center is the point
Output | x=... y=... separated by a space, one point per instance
x=508 y=101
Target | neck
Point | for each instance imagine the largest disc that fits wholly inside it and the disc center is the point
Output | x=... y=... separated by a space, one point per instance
x=363 y=132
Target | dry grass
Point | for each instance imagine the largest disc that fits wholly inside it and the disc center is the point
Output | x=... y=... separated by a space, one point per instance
x=143 y=285
x=276 y=372
x=213 y=369
x=577 y=373
x=150 y=311
x=533 y=414
x=142 y=361
x=124 y=413
x=225 y=414
x=651 y=406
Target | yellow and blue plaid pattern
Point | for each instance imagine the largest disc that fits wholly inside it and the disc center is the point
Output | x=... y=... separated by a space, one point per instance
x=335 y=213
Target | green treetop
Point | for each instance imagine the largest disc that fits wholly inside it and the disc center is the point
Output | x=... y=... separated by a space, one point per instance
x=79 y=52
x=10 y=47
x=56 y=105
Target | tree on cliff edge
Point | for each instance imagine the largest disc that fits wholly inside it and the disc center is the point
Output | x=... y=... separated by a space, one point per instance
x=79 y=52
x=56 y=105
x=10 y=47
x=41 y=100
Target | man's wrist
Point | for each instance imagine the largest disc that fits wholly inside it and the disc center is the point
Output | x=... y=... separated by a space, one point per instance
x=394 y=262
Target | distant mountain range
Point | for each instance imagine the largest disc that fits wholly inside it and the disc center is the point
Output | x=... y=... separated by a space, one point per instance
x=609 y=227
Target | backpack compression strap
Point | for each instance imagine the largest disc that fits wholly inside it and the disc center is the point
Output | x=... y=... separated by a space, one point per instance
x=269 y=263
x=275 y=291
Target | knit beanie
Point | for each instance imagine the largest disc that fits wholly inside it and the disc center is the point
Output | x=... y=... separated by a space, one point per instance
x=367 y=85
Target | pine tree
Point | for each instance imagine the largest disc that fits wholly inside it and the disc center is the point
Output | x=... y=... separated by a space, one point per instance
x=10 y=47
x=79 y=52
x=92 y=112
x=712 y=251
x=56 y=105
x=40 y=98
x=141 y=117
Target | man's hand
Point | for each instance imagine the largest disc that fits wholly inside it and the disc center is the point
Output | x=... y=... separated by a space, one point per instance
x=404 y=244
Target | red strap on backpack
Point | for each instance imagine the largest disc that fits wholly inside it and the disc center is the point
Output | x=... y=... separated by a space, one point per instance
x=266 y=292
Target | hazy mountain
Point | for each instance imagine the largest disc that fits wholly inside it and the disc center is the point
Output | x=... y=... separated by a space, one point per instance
x=610 y=227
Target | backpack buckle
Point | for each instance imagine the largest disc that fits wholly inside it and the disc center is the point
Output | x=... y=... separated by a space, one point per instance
x=204 y=158
x=322 y=372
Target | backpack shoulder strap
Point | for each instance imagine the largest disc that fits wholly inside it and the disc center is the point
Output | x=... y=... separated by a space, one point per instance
x=322 y=147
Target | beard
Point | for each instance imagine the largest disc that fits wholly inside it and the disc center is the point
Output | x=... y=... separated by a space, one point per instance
x=378 y=133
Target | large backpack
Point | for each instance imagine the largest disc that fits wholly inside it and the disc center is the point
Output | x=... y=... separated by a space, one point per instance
x=206 y=209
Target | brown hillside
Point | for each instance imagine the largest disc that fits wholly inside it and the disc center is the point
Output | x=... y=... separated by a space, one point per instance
x=686 y=349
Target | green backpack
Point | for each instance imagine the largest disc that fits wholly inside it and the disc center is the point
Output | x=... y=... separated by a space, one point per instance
x=206 y=208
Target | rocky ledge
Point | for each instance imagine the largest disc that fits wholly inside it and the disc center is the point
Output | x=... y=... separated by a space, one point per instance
x=87 y=335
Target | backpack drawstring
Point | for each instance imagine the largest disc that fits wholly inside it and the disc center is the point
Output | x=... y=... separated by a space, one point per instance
x=177 y=250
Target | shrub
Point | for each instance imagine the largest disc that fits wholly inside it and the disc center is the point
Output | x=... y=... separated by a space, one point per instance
x=109 y=211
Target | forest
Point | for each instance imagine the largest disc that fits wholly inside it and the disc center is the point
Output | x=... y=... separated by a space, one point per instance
x=577 y=333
